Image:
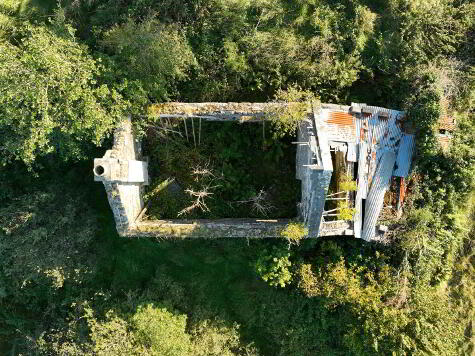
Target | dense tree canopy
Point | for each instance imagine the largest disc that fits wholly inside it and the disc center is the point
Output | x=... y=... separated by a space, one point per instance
x=51 y=99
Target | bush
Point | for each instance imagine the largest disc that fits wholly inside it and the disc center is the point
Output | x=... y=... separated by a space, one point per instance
x=294 y=232
x=51 y=100
x=274 y=267
x=152 y=54
x=161 y=331
x=286 y=119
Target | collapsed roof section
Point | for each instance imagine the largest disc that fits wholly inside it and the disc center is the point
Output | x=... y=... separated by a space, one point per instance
x=377 y=148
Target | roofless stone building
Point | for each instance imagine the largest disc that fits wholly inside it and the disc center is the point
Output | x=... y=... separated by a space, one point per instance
x=369 y=144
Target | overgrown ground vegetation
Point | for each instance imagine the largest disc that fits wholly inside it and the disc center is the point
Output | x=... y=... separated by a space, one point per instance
x=241 y=170
x=70 y=286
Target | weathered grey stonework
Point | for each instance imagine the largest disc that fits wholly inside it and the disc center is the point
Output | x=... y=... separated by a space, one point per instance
x=336 y=228
x=229 y=228
x=318 y=183
x=243 y=112
x=123 y=176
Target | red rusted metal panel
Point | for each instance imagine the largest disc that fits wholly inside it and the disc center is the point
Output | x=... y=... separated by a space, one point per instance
x=341 y=118
x=402 y=191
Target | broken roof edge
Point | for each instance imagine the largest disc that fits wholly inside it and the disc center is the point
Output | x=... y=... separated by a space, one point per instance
x=324 y=148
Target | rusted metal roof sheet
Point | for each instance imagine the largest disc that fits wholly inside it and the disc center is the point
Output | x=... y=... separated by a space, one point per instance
x=340 y=125
x=402 y=191
x=444 y=141
x=375 y=199
x=446 y=123
x=340 y=118
x=404 y=156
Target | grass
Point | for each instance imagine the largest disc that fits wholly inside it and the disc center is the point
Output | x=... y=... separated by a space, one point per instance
x=218 y=278
x=217 y=275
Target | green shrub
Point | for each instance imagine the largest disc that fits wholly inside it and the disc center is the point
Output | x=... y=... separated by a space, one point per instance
x=286 y=118
x=151 y=53
x=273 y=267
x=294 y=232
x=162 y=332
x=344 y=210
x=51 y=100
x=347 y=184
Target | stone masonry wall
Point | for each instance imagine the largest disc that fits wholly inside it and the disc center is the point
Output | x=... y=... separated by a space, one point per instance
x=227 y=228
x=125 y=199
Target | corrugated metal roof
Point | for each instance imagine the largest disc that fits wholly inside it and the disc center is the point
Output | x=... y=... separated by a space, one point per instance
x=362 y=188
x=339 y=125
x=358 y=217
x=375 y=199
x=340 y=118
x=444 y=141
x=380 y=128
x=381 y=141
x=352 y=152
x=404 y=156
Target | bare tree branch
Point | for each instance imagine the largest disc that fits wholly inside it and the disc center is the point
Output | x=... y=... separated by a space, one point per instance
x=259 y=203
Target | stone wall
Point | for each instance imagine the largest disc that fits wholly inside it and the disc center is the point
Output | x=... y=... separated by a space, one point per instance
x=216 y=111
x=219 y=228
x=123 y=176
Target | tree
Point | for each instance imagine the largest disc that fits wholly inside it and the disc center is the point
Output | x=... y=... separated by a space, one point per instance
x=151 y=54
x=51 y=100
x=162 y=331
x=274 y=267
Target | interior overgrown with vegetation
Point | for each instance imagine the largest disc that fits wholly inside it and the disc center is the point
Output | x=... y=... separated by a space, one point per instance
x=69 y=285
x=235 y=170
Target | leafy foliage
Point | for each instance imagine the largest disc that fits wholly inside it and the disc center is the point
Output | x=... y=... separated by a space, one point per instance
x=347 y=184
x=162 y=331
x=274 y=267
x=287 y=118
x=247 y=172
x=150 y=54
x=294 y=232
x=344 y=210
x=70 y=285
x=51 y=99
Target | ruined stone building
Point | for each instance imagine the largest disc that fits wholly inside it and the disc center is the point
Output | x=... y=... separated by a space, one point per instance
x=371 y=145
